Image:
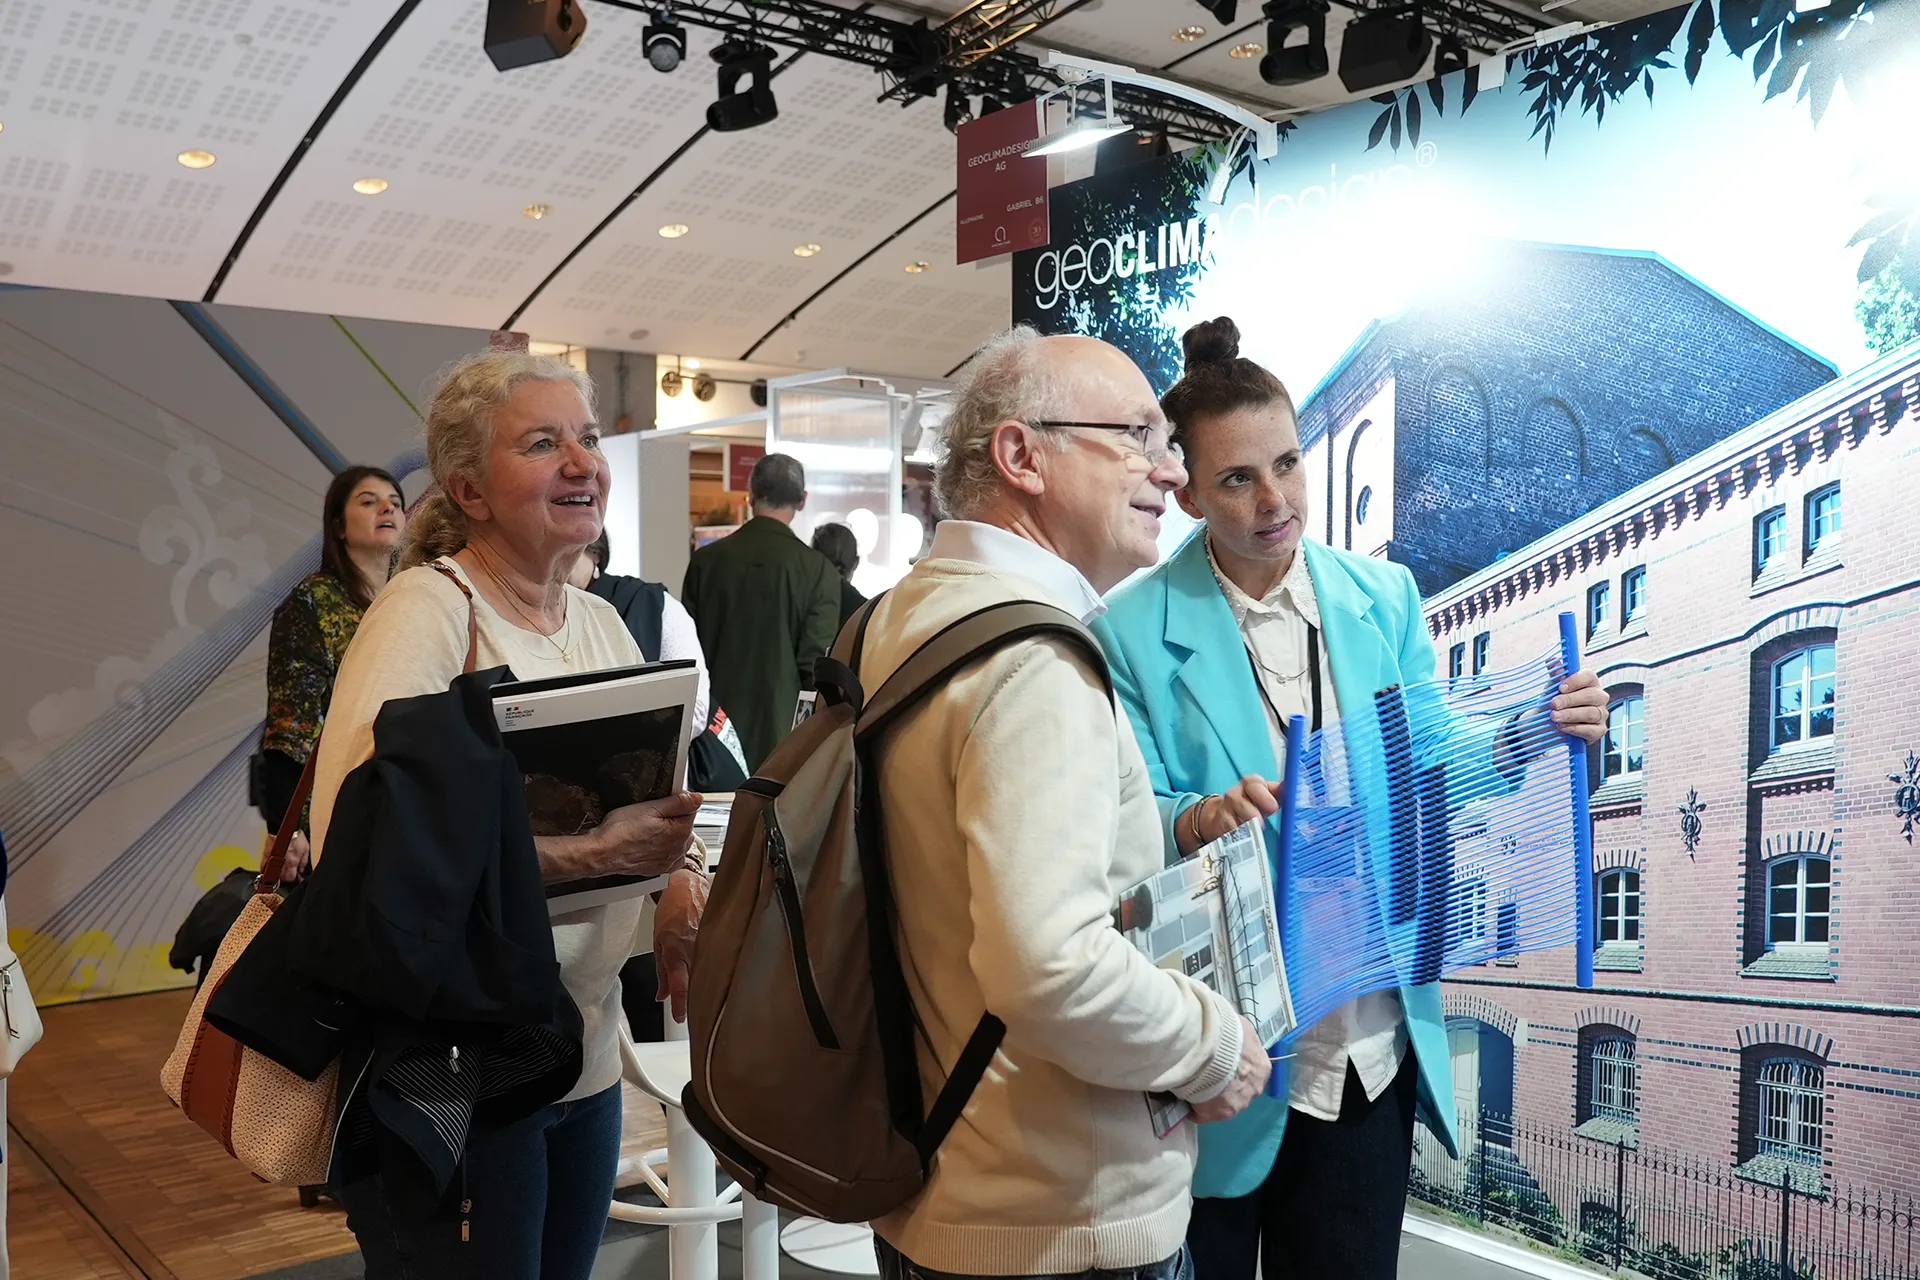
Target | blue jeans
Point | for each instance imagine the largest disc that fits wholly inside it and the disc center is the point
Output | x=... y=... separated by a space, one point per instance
x=539 y=1190
x=895 y=1265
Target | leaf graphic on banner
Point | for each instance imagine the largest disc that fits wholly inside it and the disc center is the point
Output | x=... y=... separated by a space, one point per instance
x=1379 y=129
x=1699 y=37
x=1437 y=90
x=1470 y=87
x=1413 y=118
x=1393 y=130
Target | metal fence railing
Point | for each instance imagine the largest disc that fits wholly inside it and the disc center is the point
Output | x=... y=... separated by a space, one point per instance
x=1664 y=1214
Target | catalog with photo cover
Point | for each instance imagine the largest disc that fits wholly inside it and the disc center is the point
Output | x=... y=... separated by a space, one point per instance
x=1212 y=917
x=592 y=743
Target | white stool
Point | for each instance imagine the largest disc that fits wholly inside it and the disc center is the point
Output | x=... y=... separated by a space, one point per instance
x=693 y=1209
x=844 y=1248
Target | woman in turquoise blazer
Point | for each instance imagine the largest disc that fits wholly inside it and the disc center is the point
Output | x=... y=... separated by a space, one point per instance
x=1323 y=1193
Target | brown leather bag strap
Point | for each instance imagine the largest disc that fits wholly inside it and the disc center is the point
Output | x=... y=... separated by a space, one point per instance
x=269 y=878
x=473 y=617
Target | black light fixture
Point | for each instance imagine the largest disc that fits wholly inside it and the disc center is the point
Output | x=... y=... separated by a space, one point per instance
x=520 y=33
x=1450 y=56
x=990 y=104
x=736 y=108
x=1383 y=47
x=959 y=110
x=664 y=40
x=1222 y=10
x=1299 y=63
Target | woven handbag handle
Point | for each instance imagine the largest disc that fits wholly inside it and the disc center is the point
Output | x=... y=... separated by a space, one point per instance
x=268 y=880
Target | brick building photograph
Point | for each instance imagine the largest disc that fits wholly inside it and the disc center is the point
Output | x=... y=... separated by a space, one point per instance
x=1754 y=614
x=1724 y=514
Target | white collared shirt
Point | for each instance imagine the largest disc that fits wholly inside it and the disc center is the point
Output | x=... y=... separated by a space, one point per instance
x=1369 y=1032
x=997 y=548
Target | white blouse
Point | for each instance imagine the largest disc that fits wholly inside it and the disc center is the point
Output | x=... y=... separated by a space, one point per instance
x=1370 y=1032
x=413 y=640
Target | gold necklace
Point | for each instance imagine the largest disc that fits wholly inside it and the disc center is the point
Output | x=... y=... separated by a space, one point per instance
x=513 y=598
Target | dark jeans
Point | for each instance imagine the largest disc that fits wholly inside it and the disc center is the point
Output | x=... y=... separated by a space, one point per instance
x=895 y=1265
x=539 y=1191
x=1332 y=1204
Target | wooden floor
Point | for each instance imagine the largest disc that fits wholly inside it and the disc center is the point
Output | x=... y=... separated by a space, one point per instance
x=107 y=1180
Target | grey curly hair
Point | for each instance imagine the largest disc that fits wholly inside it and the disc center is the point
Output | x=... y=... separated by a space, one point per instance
x=1008 y=378
x=459 y=432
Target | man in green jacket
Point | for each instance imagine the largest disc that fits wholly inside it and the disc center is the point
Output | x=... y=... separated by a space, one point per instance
x=767 y=606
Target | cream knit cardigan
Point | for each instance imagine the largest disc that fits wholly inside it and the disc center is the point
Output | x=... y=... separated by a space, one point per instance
x=1017 y=810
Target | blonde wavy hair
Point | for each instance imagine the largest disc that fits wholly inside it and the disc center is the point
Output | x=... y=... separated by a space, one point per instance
x=459 y=433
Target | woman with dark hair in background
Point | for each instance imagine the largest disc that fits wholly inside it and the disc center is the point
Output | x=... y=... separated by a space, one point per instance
x=362 y=516
x=837 y=543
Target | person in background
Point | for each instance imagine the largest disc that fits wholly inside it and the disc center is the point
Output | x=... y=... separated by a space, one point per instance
x=767 y=606
x=837 y=543
x=362 y=518
x=664 y=630
x=205 y=928
x=658 y=623
x=1247 y=625
x=1017 y=812
x=520 y=488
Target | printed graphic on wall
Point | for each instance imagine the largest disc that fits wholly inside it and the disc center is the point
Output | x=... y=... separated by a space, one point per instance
x=1636 y=335
x=161 y=499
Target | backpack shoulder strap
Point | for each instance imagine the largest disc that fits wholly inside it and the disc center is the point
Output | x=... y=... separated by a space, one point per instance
x=970 y=639
x=837 y=675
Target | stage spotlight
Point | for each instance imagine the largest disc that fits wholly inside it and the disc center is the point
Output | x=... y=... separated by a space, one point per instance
x=990 y=104
x=522 y=32
x=1382 y=48
x=664 y=40
x=1302 y=62
x=959 y=109
x=1222 y=10
x=737 y=108
x=1451 y=56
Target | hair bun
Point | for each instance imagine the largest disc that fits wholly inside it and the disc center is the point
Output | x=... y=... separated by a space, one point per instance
x=1211 y=342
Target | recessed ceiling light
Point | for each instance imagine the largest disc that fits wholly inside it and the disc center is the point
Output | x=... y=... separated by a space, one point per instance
x=635 y=335
x=196 y=159
x=370 y=186
x=537 y=211
x=915 y=268
x=1251 y=49
x=674 y=230
x=805 y=250
x=3 y=127
x=1187 y=35
x=691 y=363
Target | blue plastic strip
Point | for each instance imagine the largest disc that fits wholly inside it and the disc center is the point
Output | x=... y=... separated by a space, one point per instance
x=1283 y=854
x=1582 y=823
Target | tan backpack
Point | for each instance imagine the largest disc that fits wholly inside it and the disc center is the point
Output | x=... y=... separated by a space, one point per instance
x=805 y=1080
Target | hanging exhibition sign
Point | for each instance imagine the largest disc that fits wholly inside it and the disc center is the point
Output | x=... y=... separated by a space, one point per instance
x=1000 y=199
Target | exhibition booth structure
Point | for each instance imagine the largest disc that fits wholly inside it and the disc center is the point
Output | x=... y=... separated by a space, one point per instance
x=867 y=442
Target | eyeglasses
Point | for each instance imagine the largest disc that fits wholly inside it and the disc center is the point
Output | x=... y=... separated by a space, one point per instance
x=1150 y=441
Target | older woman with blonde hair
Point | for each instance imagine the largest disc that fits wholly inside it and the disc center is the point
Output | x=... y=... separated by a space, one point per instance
x=521 y=488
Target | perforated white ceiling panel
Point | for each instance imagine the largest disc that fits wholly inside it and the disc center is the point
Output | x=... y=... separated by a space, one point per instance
x=98 y=97
x=836 y=170
x=465 y=150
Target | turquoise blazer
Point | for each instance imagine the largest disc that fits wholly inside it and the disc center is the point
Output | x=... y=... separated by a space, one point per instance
x=1180 y=669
